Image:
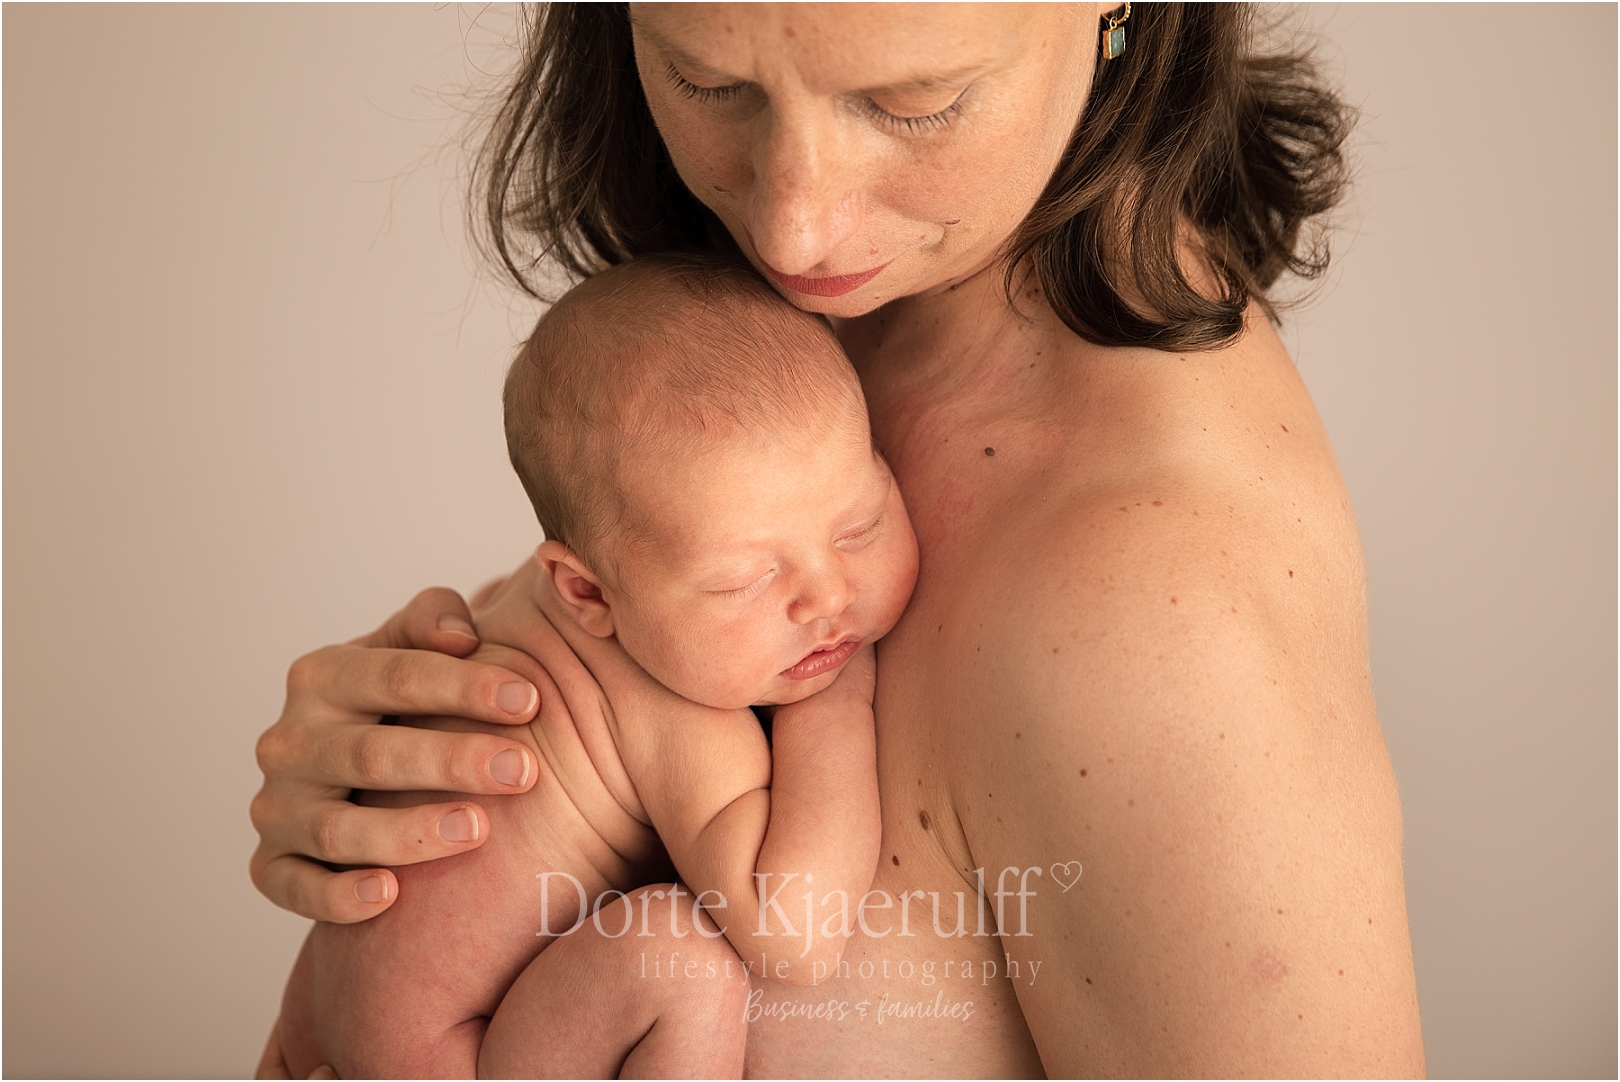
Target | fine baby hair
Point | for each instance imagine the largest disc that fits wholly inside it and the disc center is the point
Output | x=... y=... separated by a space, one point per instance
x=665 y=347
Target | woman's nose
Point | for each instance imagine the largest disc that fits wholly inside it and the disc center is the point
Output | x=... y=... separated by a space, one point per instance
x=821 y=596
x=806 y=200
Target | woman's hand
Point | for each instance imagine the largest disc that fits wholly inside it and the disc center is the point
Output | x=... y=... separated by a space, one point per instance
x=328 y=742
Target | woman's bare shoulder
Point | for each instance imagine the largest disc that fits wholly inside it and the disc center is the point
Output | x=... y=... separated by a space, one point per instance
x=1207 y=582
x=1183 y=649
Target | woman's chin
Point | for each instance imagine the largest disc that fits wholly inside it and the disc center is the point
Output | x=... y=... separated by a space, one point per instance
x=863 y=301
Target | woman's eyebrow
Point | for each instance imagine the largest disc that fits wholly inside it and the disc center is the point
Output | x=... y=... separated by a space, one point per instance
x=923 y=84
x=948 y=80
x=682 y=58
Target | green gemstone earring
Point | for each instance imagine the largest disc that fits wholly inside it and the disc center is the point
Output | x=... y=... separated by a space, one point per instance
x=1113 y=35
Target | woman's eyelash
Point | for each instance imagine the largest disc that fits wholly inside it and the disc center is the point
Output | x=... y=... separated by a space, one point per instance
x=911 y=125
x=914 y=125
x=702 y=93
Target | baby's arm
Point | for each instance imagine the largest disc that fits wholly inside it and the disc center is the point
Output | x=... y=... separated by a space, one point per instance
x=807 y=824
x=824 y=814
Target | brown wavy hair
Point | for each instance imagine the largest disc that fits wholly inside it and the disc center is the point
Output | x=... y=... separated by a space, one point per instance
x=1192 y=143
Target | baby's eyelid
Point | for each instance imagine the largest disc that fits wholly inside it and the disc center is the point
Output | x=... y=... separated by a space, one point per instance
x=864 y=535
x=751 y=587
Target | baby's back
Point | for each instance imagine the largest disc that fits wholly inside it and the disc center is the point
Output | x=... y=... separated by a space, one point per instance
x=410 y=992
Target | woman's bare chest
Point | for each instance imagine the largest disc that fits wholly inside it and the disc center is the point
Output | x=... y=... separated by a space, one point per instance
x=926 y=986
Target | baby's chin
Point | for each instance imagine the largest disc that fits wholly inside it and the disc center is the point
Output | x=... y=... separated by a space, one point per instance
x=785 y=692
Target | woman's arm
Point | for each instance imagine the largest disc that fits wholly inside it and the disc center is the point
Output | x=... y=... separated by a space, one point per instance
x=1241 y=909
x=328 y=742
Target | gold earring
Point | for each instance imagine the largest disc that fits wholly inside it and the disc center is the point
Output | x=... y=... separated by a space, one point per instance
x=1113 y=35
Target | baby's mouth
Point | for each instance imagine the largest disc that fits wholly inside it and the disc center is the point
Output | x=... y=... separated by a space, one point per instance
x=819 y=662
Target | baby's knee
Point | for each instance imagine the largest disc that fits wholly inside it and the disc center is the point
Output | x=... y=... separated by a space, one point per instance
x=673 y=948
x=664 y=916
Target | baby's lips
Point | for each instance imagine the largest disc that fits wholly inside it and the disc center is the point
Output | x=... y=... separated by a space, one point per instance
x=821 y=661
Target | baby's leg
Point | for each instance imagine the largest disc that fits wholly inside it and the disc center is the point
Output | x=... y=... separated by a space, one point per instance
x=639 y=991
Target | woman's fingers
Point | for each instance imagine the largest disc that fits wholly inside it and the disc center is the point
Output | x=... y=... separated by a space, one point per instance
x=339 y=832
x=386 y=757
x=376 y=681
x=306 y=888
x=436 y=619
x=404 y=758
x=327 y=742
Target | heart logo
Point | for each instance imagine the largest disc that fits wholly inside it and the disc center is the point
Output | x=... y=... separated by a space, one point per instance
x=1067 y=875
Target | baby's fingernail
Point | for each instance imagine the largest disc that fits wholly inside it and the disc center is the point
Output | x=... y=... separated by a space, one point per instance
x=510 y=767
x=460 y=825
x=516 y=698
x=373 y=888
x=455 y=625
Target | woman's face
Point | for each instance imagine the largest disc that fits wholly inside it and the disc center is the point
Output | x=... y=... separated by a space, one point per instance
x=863 y=152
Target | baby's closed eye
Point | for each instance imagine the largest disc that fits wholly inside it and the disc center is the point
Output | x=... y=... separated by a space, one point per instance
x=861 y=536
x=749 y=589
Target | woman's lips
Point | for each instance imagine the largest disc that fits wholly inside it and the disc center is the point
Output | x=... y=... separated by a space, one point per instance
x=823 y=661
x=832 y=286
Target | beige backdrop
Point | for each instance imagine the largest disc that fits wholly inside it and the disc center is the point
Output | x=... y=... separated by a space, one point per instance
x=250 y=405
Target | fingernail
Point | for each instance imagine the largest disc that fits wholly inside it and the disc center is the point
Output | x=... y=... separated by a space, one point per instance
x=455 y=625
x=510 y=767
x=373 y=888
x=460 y=825
x=516 y=698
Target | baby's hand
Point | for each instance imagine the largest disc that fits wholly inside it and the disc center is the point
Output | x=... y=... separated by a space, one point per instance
x=857 y=678
x=856 y=681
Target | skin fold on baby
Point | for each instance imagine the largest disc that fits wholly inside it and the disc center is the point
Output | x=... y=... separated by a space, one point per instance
x=721 y=535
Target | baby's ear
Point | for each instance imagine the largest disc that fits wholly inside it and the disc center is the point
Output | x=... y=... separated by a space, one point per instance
x=580 y=590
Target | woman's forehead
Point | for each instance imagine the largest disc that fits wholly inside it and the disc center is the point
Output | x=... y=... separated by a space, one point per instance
x=844 y=46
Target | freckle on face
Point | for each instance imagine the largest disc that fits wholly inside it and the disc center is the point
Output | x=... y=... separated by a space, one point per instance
x=960 y=191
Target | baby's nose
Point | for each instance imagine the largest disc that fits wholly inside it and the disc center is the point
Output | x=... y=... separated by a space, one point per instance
x=821 y=597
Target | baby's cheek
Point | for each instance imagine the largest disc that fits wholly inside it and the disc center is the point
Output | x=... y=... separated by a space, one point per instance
x=734 y=665
x=898 y=583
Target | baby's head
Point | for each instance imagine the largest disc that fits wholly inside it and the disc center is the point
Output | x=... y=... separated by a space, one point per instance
x=698 y=453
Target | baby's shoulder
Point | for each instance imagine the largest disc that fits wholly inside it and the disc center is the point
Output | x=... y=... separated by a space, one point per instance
x=584 y=797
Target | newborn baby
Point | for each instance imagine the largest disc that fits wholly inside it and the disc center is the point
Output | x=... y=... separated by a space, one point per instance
x=698 y=453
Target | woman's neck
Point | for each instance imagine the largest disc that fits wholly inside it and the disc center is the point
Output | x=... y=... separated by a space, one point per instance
x=962 y=337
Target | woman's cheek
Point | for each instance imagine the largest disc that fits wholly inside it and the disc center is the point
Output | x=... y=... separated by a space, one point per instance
x=710 y=154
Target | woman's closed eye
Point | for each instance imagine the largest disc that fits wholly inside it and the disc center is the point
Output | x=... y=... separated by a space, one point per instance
x=912 y=125
x=689 y=89
x=901 y=121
